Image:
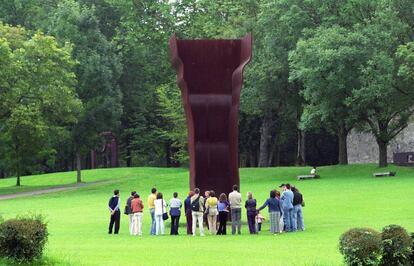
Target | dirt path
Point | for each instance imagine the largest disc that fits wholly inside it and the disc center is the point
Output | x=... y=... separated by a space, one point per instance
x=54 y=189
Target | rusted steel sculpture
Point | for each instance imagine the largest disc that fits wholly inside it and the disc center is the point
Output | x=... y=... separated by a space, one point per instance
x=109 y=150
x=210 y=76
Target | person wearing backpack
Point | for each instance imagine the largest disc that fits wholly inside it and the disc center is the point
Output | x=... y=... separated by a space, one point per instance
x=197 y=211
x=128 y=212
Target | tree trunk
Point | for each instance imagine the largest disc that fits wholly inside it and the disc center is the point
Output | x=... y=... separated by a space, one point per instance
x=300 y=150
x=382 y=153
x=128 y=157
x=168 y=154
x=272 y=152
x=2 y=174
x=252 y=159
x=18 y=175
x=343 y=152
x=265 y=138
x=277 y=155
x=78 y=167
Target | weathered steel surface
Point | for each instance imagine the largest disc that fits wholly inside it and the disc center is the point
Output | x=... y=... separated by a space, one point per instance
x=210 y=76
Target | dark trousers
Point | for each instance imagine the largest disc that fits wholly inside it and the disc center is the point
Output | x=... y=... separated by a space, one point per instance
x=252 y=223
x=205 y=220
x=175 y=220
x=115 y=219
x=189 y=222
x=259 y=227
x=223 y=222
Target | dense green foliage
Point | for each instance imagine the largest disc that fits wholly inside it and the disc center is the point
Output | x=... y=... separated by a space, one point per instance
x=396 y=246
x=320 y=68
x=23 y=239
x=38 y=100
x=345 y=197
x=361 y=246
x=412 y=248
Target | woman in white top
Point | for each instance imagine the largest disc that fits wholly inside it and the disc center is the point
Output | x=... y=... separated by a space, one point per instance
x=160 y=209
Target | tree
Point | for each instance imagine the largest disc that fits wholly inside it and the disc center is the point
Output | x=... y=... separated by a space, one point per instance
x=405 y=55
x=98 y=72
x=38 y=97
x=142 y=39
x=268 y=91
x=382 y=100
x=172 y=128
x=328 y=65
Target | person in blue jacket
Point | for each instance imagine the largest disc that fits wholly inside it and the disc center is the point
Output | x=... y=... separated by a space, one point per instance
x=274 y=205
x=287 y=207
x=113 y=205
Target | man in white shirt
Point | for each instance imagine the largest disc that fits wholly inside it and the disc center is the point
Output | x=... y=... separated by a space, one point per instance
x=313 y=171
x=235 y=207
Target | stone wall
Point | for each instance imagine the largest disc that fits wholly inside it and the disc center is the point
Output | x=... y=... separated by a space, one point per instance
x=362 y=147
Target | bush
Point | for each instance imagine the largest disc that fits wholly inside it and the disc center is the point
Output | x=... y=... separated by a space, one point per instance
x=361 y=246
x=412 y=249
x=396 y=246
x=23 y=239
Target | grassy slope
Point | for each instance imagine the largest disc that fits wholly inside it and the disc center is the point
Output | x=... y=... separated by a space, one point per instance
x=345 y=196
x=36 y=182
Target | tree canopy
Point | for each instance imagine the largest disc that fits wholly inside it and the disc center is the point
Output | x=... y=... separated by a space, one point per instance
x=73 y=69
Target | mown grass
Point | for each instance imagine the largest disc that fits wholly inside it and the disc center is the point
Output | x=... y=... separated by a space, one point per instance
x=345 y=196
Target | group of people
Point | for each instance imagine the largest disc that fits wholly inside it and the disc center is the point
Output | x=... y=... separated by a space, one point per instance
x=285 y=212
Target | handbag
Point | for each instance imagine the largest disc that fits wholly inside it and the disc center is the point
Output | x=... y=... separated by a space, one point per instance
x=164 y=214
x=126 y=210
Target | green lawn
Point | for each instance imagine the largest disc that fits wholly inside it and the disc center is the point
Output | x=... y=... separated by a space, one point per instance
x=345 y=196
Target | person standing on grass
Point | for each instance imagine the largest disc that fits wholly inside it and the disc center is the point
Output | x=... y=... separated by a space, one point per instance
x=250 y=206
x=137 y=208
x=175 y=213
x=223 y=210
x=282 y=219
x=211 y=204
x=298 y=222
x=115 y=212
x=206 y=196
x=129 y=212
x=235 y=207
x=188 y=216
x=287 y=206
x=197 y=211
x=259 y=221
x=151 y=198
x=160 y=209
x=274 y=205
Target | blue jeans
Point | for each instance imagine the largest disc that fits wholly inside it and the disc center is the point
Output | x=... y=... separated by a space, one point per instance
x=235 y=220
x=152 y=211
x=298 y=223
x=288 y=219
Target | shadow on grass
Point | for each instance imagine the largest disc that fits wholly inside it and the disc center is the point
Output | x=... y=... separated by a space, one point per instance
x=44 y=261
